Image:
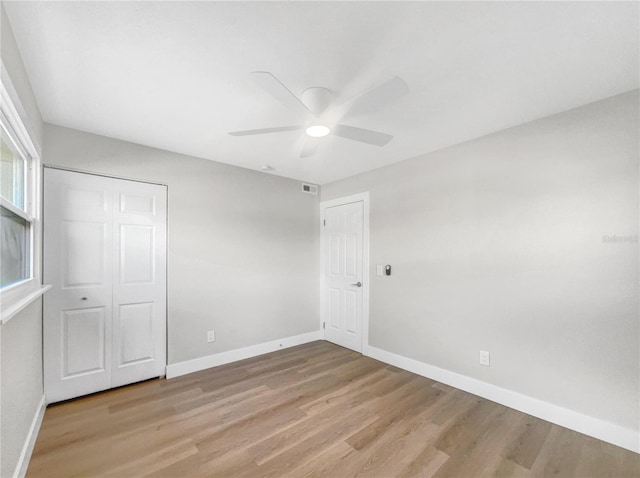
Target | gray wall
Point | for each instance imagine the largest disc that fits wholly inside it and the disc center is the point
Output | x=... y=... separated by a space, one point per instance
x=243 y=245
x=21 y=338
x=497 y=244
x=21 y=356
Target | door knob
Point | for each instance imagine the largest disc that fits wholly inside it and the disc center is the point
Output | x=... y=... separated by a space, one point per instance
x=357 y=284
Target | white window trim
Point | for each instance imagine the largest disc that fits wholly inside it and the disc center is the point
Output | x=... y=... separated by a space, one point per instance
x=11 y=310
x=16 y=297
x=16 y=210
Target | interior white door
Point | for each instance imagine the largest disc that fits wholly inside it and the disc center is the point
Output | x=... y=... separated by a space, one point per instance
x=139 y=277
x=343 y=274
x=105 y=256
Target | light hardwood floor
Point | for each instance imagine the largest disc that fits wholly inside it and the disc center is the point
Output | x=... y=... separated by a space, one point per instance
x=312 y=410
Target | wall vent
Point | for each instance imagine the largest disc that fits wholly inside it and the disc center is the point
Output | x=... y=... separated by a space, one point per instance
x=310 y=189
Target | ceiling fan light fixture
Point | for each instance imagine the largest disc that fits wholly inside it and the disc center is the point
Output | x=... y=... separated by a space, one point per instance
x=317 y=131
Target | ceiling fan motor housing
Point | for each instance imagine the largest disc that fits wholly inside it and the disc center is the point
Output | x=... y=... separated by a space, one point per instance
x=317 y=99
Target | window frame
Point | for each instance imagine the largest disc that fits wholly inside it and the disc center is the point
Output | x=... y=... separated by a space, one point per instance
x=14 y=297
x=27 y=193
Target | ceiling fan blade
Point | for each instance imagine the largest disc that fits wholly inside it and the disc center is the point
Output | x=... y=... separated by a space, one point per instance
x=379 y=95
x=360 y=134
x=275 y=88
x=310 y=147
x=278 y=129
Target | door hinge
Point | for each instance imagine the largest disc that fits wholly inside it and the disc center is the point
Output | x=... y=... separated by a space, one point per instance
x=324 y=222
x=323 y=325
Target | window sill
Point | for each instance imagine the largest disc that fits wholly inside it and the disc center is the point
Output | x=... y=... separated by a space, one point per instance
x=10 y=311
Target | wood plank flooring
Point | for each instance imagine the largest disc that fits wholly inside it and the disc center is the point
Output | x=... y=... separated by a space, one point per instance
x=312 y=410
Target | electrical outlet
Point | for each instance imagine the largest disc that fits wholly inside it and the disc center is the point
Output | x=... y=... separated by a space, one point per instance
x=211 y=336
x=485 y=358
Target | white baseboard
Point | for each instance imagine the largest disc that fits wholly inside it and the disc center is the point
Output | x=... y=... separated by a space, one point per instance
x=30 y=441
x=595 y=427
x=202 y=363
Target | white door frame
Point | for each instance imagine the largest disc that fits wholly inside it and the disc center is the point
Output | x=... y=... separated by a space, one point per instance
x=364 y=197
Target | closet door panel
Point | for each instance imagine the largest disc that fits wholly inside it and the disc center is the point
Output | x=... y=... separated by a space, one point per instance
x=78 y=212
x=139 y=278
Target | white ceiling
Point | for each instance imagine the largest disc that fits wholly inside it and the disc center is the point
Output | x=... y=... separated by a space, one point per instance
x=174 y=75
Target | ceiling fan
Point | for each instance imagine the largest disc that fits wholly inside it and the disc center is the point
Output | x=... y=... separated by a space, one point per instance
x=316 y=100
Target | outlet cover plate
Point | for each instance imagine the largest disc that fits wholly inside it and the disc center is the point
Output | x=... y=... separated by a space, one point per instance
x=485 y=358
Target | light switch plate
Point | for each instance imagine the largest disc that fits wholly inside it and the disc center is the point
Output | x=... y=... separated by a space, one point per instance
x=379 y=270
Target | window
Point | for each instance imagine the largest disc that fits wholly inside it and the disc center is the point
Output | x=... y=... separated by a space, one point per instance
x=15 y=220
x=20 y=255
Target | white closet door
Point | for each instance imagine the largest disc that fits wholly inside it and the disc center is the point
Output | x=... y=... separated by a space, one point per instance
x=139 y=278
x=105 y=256
x=78 y=217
